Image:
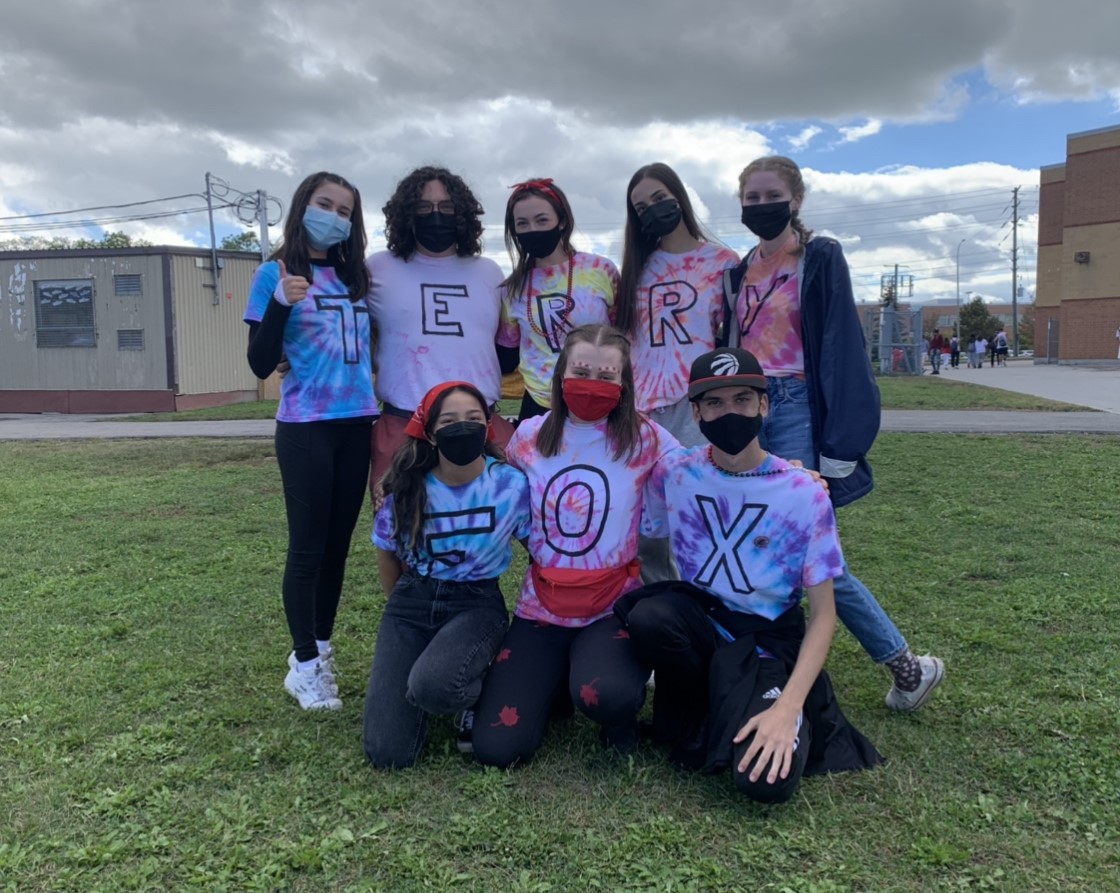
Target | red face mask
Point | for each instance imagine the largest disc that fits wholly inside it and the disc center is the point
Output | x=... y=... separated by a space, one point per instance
x=590 y=399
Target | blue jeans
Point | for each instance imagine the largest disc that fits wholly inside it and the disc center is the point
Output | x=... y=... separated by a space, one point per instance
x=788 y=432
x=433 y=647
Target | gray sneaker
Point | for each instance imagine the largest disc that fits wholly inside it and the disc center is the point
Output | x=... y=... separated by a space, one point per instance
x=933 y=671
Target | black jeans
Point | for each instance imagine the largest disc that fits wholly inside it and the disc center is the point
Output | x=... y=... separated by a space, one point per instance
x=436 y=640
x=535 y=663
x=672 y=633
x=324 y=467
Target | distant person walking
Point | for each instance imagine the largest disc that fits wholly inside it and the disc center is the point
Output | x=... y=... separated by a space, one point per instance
x=992 y=350
x=1001 y=348
x=981 y=350
x=955 y=352
x=936 y=348
x=971 y=353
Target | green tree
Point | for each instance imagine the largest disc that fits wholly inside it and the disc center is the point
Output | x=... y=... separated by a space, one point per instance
x=59 y=243
x=111 y=240
x=977 y=321
x=1026 y=327
x=243 y=241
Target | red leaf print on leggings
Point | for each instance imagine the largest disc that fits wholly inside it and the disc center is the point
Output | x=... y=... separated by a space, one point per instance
x=502 y=655
x=507 y=716
x=589 y=694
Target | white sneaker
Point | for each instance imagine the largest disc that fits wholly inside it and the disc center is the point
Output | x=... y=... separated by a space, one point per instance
x=310 y=687
x=326 y=661
x=933 y=671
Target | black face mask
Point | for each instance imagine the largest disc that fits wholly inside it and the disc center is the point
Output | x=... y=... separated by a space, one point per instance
x=767 y=221
x=460 y=443
x=660 y=219
x=731 y=432
x=435 y=231
x=539 y=243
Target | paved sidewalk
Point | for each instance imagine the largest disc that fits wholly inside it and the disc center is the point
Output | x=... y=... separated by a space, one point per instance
x=1097 y=387
x=1094 y=387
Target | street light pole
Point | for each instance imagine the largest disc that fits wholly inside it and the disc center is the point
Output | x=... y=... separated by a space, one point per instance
x=962 y=241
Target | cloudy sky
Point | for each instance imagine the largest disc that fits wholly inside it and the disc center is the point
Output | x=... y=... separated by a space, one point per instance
x=913 y=120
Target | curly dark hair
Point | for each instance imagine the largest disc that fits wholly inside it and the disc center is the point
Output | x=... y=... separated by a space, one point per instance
x=348 y=258
x=400 y=211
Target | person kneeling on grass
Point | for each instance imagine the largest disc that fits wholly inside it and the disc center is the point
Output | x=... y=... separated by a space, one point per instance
x=739 y=672
x=443 y=535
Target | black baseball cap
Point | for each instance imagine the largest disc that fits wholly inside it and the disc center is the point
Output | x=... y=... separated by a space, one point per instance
x=725 y=367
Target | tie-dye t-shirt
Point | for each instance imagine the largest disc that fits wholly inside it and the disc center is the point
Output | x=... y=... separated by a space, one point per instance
x=679 y=311
x=468 y=530
x=436 y=320
x=555 y=313
x=752 y=539
x=327 y=342
x=768 y=309
x=586 y=504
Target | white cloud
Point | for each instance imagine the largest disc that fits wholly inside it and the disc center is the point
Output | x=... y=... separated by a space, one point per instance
x=109 y=102
x=801 y=140
x=855 y=133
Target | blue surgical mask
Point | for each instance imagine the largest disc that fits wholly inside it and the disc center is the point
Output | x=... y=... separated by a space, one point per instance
x=324 y=228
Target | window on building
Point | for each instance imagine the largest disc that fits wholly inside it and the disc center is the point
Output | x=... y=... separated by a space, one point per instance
x=64 y=313
x=127 y=285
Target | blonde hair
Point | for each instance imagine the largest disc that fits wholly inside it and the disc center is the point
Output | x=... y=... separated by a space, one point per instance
x=787 y=169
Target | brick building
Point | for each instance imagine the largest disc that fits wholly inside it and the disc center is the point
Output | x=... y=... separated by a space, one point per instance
x=1077 y=304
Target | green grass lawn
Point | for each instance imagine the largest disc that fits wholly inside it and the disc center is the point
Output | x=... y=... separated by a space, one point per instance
x=943 y=393
x=146 y=742
x=897 y=393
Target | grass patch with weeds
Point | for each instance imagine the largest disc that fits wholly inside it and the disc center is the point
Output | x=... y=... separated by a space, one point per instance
x=146 y=742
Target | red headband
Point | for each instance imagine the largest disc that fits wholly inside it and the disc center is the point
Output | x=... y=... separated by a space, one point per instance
x=417 y=425
x=541 y=185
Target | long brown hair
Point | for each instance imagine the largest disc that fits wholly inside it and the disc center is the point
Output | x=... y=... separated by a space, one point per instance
x=348 y=258
x=787 y=169
x=636 y=248
x=405 y=479
x=624 y=424
x=514 y=283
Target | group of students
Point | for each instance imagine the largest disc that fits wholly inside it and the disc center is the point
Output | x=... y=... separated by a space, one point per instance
x=663 y=530
x=996 y=347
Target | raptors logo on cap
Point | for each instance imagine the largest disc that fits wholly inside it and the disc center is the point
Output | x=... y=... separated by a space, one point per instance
x=725 y=364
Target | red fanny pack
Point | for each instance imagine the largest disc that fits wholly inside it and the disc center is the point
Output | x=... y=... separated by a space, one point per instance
x=576 y=592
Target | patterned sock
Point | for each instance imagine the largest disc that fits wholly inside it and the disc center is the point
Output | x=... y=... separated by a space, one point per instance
x=906 y=670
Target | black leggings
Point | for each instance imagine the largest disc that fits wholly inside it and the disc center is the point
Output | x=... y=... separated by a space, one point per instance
x=324 y=467
x=535 y=664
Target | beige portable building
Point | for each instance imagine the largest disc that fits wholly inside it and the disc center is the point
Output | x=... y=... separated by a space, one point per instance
x=123 y=330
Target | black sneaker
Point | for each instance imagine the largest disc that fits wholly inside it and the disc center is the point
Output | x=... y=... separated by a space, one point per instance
x=465 y=740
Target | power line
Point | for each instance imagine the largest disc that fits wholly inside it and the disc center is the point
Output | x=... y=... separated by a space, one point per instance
x=151 y=201
x=103 y=221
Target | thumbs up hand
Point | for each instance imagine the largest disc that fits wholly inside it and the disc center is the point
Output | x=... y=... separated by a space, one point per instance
x=290 y=289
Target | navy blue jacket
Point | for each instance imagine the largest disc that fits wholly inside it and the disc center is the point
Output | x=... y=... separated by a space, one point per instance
x=843 y=396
